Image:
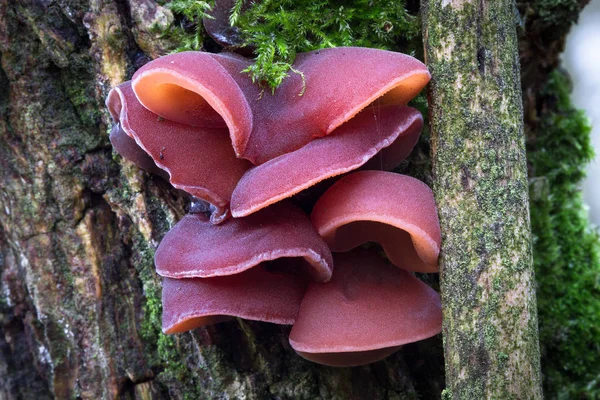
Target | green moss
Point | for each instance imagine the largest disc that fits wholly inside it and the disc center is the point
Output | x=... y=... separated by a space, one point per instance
x=447 y=394
x=279 y=29
x=162 y=349
x=566 y=249
x=561 y=13
x=194 y=11
x=544 y=22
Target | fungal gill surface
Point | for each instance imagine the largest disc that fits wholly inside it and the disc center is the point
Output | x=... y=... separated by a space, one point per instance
x=394 y=210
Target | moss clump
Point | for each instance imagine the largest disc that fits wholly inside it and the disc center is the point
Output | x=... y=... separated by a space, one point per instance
x=559 y=13
x=548 y=20
x=193 y=11
x=279 y=29
x=162 y=349
x=566 y=249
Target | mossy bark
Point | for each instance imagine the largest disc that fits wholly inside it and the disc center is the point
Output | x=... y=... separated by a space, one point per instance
x=480 y=183
x=79 y=299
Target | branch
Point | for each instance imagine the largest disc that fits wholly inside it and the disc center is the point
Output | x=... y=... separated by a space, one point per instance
x=480 y=183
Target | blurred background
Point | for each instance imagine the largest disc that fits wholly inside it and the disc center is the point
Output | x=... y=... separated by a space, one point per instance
x=582 y=59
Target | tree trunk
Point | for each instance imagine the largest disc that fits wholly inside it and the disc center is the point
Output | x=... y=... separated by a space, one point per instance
x=80 y=303
x=480 y=183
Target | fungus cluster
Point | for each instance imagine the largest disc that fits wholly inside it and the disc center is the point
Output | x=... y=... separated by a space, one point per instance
x=196 y=120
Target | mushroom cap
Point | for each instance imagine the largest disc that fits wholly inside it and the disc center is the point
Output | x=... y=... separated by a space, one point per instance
x=199 y=161
x=365 y=312
x=352 y=145
x=193 y=88
x=338 y=84
x=349 y=358
x=129 y=149
x=196 y=248
x=210 y=90
x=255 y=294
x=395 y=210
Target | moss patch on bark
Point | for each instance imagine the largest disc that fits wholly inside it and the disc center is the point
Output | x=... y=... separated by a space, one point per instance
x=566 y=247
x=480 y=185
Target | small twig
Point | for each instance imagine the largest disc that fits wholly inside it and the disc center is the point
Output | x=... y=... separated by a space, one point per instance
x=294 y=70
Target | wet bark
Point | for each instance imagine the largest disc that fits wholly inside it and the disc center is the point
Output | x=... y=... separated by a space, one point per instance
x=480 y=182
x=80 y=302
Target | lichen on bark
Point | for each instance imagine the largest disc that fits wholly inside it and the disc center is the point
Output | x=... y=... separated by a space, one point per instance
x=480 y=185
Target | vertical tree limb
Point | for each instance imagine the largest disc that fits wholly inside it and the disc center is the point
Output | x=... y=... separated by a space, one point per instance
x=480 y=182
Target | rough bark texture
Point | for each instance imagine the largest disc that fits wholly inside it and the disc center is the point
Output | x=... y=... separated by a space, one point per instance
x=80 y=302
x=480 y=182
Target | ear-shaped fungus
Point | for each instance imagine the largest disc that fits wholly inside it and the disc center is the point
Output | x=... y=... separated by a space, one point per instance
x=366 y=312
x=394 y=210
x=204 y=89
x=335 y=85
x=193 y=88
x=196 y=248
x=129 y=149
x=255 y=294
x=198 y=160
x=349 y=147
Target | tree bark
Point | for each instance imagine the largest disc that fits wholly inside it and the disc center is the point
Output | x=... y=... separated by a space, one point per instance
x=80 y=302
x=480 y=183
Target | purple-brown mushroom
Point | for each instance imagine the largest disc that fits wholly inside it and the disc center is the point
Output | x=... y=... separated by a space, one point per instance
x=130 y=150
x=346 y=149
x=255 y=294
x=367 y=311
x=255 y=268
x=199 y=161
x=395 y=210
x=201 y=104
x=281 y=234
x=226 y=141
x=331 y=87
